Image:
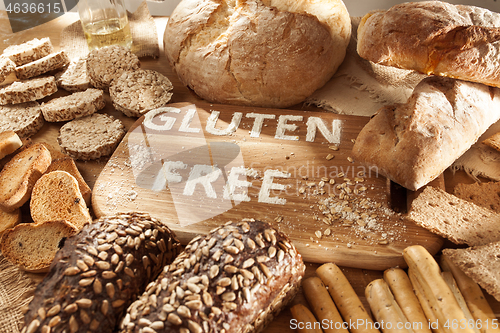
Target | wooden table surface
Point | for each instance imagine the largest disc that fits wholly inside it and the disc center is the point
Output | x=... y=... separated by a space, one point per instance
x=359 y=278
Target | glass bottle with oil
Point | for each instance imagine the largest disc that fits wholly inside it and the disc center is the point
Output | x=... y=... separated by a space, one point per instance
x=105 y=23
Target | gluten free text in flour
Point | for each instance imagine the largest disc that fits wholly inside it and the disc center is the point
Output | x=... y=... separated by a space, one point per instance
x=194 y=164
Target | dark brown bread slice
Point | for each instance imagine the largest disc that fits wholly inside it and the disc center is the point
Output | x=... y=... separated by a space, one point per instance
x=235 y=279
x=68 y=164
x=20 y=174
x=56 y=196
x=458 y=220
x=99 y=272
x=486 y=195
x=32 y=246
x=480 y=263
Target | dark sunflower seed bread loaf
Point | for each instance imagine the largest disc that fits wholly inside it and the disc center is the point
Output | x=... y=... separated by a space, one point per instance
x=235 y=279
x=99 y=272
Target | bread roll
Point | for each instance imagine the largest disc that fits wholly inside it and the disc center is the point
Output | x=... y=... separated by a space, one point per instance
x=413 y=143
x=99 y=272
x=271 y=53
x=235 y=279
x=434 y=37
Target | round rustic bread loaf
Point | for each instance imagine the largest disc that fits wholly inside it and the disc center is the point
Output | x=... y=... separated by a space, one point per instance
x=270 y=53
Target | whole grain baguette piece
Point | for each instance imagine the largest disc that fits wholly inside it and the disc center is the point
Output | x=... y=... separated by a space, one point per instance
x=108 y=63
x=76 y=105
x=68 y=164
x=29 y=51
x=43 y=65
x=235 y=279
x=27 y=90
x=99 y=272
x=434 y=37
x=32 y=246
x=136 y=92
x=460 y=221
x=413 y=143
x=74 y=77
x=91 y=137
x=9 y=219
x=482 y=194
x=9 y=143
x=56 y=196
x=7 y=67
x=480 y=263
x=20 y=174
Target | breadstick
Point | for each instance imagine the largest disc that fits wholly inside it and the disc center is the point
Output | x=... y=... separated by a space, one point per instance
x=431 y=318
x=436 y=291
x=344 y=296
x=385 y=309
x=474 y=297
x=401 y=288
x=306 y=322
x=323 y=306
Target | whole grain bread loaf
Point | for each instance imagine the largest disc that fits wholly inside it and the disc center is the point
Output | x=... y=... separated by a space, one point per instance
x=99 y=272
x=56 y=196
x=136 y=92
x=91 y=137
x=43 y=65
x=20 y=174
x=480 y=263
x=29 y=51
x=32 y=246
x=235 y=279
x=460 y=221
x=27 y=90
x=270 y=53
x=434 y=37
x=107 y=63
x=76 y=105
x=25 y=119
x=413 y=143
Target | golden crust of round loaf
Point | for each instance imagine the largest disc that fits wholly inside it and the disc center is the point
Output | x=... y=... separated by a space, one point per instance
x=271 y=53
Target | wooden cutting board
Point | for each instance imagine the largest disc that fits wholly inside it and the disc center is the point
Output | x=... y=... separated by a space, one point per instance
x=196 y=167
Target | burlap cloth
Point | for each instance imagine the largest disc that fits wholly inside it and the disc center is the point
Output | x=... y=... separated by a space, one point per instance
x=142 y=27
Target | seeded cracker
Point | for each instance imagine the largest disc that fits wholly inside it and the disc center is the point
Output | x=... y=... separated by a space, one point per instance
x=237 y=278
x=25 y=119
x=136 y=92
x=27 y=90
x=7 y=66
x=74 y=77
x=74 y=106
x=91 y=137
x=46 y=64
x=29 y=51
x=99 y=272
x=108 y=63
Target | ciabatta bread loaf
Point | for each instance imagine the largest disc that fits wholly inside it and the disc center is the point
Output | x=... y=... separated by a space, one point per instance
x=33 y=246
x=271 y=53
x=56 y=196
x=235 y=279
x=9 y=143
x=20 y=174
x=99 y=272
x=29 y=51
x=413 y=143
x=434 y=37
